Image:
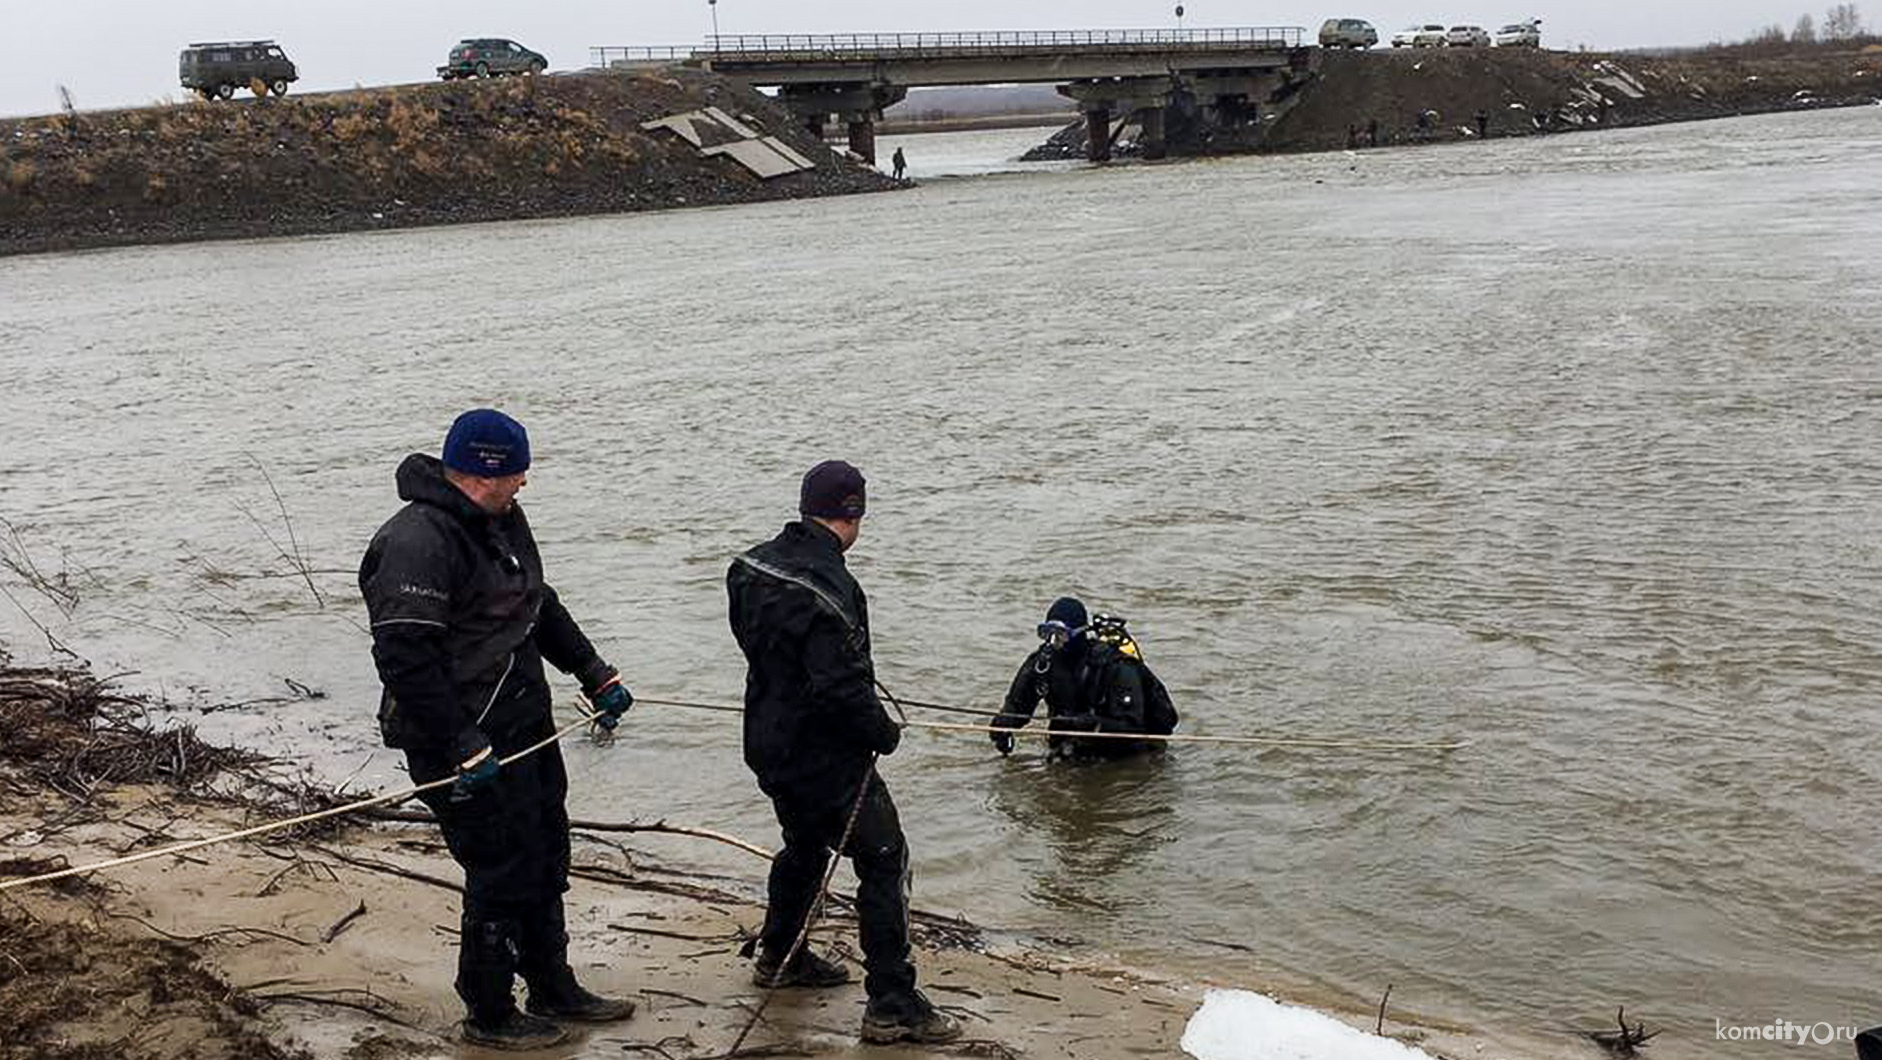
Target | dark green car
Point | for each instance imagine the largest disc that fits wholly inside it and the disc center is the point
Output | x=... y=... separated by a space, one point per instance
x=215 y=70
x=491 y=57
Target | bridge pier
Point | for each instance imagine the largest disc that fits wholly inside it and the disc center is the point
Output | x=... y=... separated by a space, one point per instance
x=857 y=104
x=1144 y=97
x=863 y=140
x=1098 y=134
x=1156 y=145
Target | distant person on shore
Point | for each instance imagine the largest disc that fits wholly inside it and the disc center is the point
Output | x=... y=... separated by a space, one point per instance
x=462 y=622
x=1483 y=124
x=1092 y=678
x=900 y=162
x=1372 y=133
x=814 y=729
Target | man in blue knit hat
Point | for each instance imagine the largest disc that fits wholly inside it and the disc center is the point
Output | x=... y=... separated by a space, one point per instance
x=462 y=622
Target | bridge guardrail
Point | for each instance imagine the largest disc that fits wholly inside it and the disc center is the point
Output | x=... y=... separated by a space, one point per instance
x=664 y=53
x=991 y=42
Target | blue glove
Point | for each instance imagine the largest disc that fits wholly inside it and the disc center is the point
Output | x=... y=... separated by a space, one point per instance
x=1003 y=740
x=475 y=776
x=611 y=703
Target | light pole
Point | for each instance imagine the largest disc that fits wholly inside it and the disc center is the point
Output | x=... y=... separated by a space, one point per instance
x=714 y=5
x=1179 y=18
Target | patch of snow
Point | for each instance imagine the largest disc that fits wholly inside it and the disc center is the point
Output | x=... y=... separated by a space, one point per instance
x=1238 y=1025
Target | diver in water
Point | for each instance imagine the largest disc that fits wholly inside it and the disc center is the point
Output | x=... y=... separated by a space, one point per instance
x=1092 y=678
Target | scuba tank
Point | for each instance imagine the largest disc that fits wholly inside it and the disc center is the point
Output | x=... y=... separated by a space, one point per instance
x=1110 y=629
x=1160 y=717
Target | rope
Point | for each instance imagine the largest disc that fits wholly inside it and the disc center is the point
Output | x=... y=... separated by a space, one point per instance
x=624 y=827
x=720 y=708
x=1173 y=738
x=945 y=709
x=1253 y=741
x=276 y=826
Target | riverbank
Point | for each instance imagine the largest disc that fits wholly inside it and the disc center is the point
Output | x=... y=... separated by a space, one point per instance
x=408 y=156
x=334 y=939
x=1433 y=95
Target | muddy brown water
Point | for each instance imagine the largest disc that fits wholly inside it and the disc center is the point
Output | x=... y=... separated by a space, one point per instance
x=1571 y=447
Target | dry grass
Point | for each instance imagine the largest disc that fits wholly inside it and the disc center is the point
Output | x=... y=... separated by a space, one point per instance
x=396 y=140
x=20 y=177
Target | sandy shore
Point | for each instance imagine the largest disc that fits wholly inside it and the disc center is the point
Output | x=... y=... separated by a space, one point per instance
x=337 y=940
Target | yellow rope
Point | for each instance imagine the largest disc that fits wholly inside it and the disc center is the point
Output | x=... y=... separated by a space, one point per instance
x=276 y=826
x=1043 y=733
x=1039 y=733
x=1254 y=741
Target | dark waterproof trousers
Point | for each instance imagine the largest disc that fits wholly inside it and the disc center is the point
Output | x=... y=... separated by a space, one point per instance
x=813 y=822
x=512 y=840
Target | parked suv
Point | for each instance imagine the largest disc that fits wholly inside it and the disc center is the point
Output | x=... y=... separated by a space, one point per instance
x=1429 y=35
x=491 y=57
x=1467 y=37
x=1348 y=33
x=215 y=70
x=1520 y=35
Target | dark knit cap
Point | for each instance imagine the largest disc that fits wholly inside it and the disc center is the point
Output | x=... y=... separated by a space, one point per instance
x=487 y=444
x=832 y=490
x=1068 y=610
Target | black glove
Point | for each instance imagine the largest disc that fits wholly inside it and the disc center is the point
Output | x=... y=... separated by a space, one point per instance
x=1003 y=741
x=886 y=737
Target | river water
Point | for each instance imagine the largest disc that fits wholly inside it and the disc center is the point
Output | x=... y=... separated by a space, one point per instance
x=1571 y=447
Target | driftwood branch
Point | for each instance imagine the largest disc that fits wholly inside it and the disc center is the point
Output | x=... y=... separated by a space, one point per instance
x=344 y=922
x=1625 y=1042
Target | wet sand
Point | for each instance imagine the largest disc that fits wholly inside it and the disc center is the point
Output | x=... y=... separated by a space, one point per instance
x=340 y=943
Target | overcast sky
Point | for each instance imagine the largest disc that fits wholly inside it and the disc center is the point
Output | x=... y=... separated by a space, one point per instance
x=122 y=52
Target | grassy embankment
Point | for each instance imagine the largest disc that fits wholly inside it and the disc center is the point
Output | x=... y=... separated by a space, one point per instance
x=382 y=158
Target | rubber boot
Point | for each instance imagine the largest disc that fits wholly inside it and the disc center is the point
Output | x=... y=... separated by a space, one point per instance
x=553 y=991
x=908 y=1017
x=807 y=970
x=486 y=980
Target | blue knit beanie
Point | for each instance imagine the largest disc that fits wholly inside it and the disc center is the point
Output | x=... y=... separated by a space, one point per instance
x=487 y=444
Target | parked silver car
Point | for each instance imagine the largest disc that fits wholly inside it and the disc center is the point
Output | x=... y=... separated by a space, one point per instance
x=1348 y=33
x=1520 y=35
x=1427 y=36
x=1467 y=37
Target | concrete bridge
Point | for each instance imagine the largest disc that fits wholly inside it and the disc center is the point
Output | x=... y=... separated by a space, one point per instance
x=1126 y=74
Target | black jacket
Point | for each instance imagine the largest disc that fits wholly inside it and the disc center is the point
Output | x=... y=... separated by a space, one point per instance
x=462 y=621
x=1088 y=687
x=811 y=713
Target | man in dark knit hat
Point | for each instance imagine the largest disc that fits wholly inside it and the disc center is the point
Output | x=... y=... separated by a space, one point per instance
x=462 y=622
x=1092 y=677
x=813 y=731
